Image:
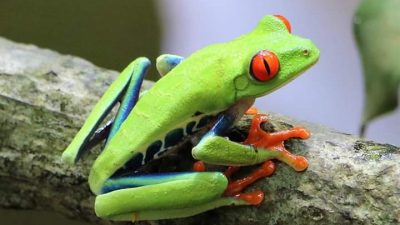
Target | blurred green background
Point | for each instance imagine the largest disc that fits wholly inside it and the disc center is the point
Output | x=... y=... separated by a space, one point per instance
x=108 y=33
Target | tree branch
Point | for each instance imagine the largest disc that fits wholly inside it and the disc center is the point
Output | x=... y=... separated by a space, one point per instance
x=45 y=97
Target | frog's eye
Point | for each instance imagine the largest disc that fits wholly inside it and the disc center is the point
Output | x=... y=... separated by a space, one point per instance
x=285 y=21
x=264 y=65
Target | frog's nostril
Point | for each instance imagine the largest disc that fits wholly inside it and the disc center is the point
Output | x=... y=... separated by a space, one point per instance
x=306 y=52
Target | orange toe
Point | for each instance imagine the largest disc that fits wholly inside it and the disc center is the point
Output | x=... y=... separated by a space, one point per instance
x=199 y=166
x=253 y=198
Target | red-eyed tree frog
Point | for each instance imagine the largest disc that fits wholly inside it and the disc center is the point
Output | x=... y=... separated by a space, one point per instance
x=217 y=83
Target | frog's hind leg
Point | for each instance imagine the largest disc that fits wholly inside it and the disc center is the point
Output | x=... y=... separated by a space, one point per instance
x=163 y=196
x=129 y=97
x=126 y=88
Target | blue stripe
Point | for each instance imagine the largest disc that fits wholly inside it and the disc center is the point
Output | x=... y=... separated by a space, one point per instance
x=113 y=184
x=224 y=122
x=130 y=98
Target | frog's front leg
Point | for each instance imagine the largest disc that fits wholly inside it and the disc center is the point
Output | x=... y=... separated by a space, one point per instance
x=260 y=146
x=217 y=150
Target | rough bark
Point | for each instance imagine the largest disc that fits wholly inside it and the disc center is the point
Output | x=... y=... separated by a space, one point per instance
x=45 y=97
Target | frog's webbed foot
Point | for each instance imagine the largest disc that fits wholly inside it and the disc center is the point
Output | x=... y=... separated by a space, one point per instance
x=274 y=141
x=236 y=187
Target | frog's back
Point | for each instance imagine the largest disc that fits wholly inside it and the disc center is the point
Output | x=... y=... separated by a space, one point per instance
x=175 y=106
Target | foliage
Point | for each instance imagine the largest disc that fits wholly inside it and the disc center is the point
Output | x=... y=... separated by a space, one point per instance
x=377 y=32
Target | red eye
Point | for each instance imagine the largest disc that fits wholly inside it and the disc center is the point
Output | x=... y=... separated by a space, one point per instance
x=264 y=66
x=285 y=21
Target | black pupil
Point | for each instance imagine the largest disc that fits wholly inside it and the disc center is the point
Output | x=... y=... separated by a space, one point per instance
x=267 y=67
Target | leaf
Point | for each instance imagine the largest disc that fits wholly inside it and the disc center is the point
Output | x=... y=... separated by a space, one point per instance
x=376 y=27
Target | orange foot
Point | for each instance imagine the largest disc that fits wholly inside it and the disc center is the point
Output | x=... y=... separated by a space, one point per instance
x=235 y=187
x=275 y=141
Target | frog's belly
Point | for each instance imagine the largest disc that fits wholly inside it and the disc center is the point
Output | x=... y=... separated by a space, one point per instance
x=160 y=146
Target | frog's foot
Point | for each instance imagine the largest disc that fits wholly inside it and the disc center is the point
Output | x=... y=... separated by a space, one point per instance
x=230 y=171
x=236 y=187
x=261 y=139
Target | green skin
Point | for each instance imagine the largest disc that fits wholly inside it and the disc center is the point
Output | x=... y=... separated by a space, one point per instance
x=212 y=80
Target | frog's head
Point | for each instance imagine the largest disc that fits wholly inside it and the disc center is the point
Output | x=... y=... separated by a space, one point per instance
x=270 y=57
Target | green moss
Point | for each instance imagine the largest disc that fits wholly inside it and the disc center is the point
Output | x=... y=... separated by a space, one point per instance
x=375 y=151
x=59 y=100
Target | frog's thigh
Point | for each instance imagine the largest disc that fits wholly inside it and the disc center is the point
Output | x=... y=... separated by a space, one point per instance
x=179 y=213
x=169 y=192
x=221 y=151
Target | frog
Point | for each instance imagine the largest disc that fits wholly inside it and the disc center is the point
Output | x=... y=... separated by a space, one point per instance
x=210 y=89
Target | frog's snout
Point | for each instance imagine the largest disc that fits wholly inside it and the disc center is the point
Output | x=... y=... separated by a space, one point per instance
x=310 y=52
x=298 y=57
